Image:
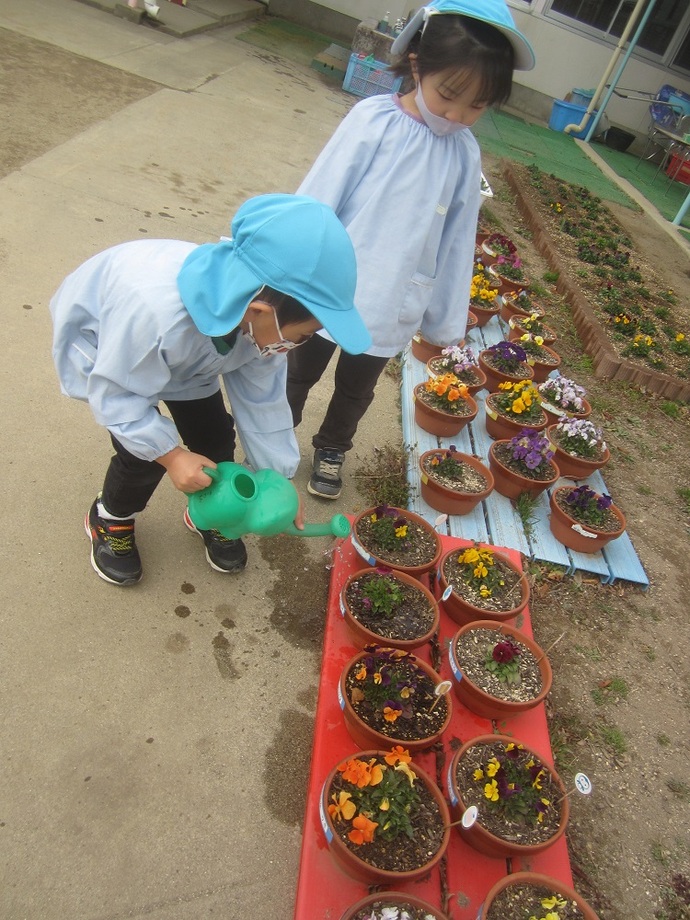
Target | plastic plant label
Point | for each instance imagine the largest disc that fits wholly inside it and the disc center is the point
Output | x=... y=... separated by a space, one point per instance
x=447 y=593
x=341 y=701
x=578 y=528
x=583 y=783
x=551 y=408
x=324 y=823
x=469 y=816
x=342 y=606
x=362 y=552
x=449 y=785
x=444 y=687
x=454 y=666
x=491 y=413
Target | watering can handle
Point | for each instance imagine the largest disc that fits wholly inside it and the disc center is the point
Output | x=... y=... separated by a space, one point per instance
x=214 y=474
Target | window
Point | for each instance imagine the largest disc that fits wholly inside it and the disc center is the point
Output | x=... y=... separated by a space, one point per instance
x=666 y=34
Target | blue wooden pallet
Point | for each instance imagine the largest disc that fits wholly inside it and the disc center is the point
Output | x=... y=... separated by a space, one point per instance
x=495 y=521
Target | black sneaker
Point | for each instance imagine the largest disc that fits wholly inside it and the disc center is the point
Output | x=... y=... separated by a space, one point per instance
x=114 y=555
x=223 y=555
x=325 y=478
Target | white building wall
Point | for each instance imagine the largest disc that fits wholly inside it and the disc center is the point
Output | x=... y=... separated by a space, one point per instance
x=566 y=59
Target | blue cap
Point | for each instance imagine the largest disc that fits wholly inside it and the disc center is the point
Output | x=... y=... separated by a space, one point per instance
x=493 y=12
x=291 y=243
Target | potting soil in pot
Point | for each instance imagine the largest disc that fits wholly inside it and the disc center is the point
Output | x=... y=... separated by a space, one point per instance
x=503 y=597
x=417 y=721
x=509 y=824
x=473 y=649
x=404 y=853
x=526 y=901
x=418 y=548
x=410 y=617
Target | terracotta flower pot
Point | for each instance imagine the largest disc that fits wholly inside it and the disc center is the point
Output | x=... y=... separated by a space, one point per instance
x=365 y=736
x=494 y=376
x=502 y=427
x=436 y=421
x=472 y=322
x=554 y=414
x=552 y=885
x=516 y=331
x=450 y=501
x=504 y=284
x=423 y=350
x=486 y=311
x=355 y=865
x=364 y=635
x=482 y=702
x=463 y=611
x=488 y=255
x=396 y=899
x=512 y=484
x=371 y=557
x=542 y=369
x=477 y=836
x=581 y=538
x=511 y=306
x=433 y=367
x=575 y=467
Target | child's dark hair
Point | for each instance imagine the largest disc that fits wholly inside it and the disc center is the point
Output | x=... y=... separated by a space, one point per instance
x=288 y=309
x=454 y=42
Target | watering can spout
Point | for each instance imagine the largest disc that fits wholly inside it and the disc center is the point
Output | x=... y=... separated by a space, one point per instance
x=239 y=501
x=338 y=526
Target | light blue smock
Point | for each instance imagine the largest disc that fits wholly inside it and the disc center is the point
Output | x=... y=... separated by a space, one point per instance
x=409 y=201
x=123 y=341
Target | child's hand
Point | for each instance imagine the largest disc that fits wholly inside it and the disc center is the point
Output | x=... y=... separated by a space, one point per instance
x=186 y=469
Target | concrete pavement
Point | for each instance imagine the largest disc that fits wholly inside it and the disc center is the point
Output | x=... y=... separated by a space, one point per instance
x=155 y=740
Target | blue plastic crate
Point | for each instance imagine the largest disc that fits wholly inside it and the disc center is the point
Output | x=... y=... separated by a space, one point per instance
x=367 y=77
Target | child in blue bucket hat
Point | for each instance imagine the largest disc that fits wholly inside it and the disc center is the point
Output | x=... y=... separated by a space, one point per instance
x=403 y=174
x=156 y=321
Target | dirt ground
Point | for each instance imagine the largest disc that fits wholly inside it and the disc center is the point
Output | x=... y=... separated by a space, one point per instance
x=620 y=706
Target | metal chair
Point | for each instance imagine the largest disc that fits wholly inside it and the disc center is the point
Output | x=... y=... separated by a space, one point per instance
x=666 y=111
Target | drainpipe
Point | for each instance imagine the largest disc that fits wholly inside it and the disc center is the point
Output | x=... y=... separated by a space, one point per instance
x=612 y=63
x=626 y=58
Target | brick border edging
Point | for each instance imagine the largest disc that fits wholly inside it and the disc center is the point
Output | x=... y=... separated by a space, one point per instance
x=607 y=363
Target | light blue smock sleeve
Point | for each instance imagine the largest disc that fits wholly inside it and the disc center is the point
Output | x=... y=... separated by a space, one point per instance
x=256 y=391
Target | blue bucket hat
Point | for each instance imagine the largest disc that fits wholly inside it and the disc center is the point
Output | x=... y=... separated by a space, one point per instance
x=291 y=243
x=493 y=12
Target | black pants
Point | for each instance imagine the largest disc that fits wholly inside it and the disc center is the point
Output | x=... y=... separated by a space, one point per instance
x=355 y=381
x=205 y=426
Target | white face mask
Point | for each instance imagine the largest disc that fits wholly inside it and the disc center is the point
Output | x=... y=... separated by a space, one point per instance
x=436 y=123
x=275 y=348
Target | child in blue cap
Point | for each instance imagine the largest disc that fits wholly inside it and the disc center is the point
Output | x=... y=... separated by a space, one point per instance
x=157 y=321
x=403 y=172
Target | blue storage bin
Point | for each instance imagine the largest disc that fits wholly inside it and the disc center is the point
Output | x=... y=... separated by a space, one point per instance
x=566 y=113
x=581 y=96
x=367 y=77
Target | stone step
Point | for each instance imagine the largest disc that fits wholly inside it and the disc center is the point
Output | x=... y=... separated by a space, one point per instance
x=182 y=21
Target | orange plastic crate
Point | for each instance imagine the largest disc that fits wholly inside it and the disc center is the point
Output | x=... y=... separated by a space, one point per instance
x=678 y=172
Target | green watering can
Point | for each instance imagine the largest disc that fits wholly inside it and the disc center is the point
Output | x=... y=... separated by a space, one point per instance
x=239 y=501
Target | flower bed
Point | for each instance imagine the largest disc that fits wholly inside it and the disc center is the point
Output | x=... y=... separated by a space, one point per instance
x=590 y=296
